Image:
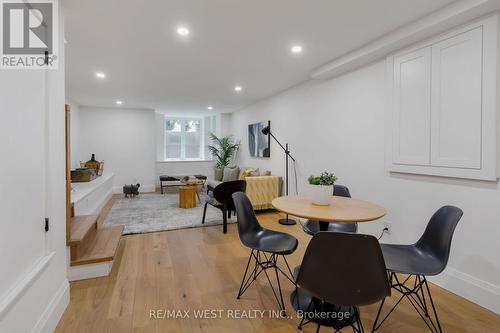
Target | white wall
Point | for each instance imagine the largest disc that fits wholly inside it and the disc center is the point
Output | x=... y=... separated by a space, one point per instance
x=74 y=133
x=160 y=136
x=225 y=124
x=339 y=125
x=124 y=139
x=37 y=300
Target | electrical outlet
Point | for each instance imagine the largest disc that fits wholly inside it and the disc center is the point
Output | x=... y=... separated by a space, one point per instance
x=387 y=227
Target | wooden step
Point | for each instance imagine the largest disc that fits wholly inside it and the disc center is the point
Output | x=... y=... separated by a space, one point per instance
x=80 y=228
x=102 y=248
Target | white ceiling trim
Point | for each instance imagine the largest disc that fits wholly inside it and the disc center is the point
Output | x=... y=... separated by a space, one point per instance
x=438 y=22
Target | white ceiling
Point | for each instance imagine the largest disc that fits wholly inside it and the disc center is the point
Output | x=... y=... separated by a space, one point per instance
x=244 y=42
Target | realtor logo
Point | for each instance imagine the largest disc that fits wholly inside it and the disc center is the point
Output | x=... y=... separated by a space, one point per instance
x=29 y=34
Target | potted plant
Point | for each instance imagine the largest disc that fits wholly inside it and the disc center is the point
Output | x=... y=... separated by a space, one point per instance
x=223 y=150
x=321 y=188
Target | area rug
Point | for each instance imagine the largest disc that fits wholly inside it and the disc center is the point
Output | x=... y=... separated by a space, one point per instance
x=151 y=212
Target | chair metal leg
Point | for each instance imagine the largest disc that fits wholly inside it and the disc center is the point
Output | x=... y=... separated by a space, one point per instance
x=357 y=325
x=303 y=321
x=204 y=213
x=374 y=327
x=432 y=303
x=417 y=298
x=224 y=221
x=289 y=277
x=240 y=292
x=263 y=262
x=279 y=288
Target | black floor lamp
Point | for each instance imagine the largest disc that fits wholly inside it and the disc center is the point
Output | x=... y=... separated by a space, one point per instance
x=267 y=130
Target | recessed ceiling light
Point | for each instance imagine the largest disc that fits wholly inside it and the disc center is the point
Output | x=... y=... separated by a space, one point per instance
x=182 y=31
x=238 y=88
x=210 y=107
x=296 y=49
x=118 y=102
x=100 y=75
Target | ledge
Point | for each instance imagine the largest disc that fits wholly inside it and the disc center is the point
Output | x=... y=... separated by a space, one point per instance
x=81 y=190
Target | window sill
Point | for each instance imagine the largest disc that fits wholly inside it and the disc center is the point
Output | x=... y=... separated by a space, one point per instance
x=183 y=161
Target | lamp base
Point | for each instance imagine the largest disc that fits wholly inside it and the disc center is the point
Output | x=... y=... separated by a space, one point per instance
x=287 y=221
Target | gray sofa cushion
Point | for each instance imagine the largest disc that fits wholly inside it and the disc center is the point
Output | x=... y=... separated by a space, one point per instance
x=213 y=183
x=231 y=174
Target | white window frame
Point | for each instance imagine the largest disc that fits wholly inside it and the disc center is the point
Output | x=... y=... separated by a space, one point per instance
x=183 y=139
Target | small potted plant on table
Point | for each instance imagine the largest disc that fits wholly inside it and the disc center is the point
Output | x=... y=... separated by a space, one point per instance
x=321 y=188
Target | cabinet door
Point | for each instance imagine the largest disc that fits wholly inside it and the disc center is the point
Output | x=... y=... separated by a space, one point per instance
x=457 y=101
x=411 y=109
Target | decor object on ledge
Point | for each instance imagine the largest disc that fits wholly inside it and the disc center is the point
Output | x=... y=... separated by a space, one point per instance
x=94 y=164
x=223 y=150
x=131 y=191
x=258 y=142
x=83 y=175
x=101 y=169
x=321 y=188
x=267 y=131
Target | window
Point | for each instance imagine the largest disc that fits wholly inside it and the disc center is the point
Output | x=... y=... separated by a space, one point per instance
x=183 y=139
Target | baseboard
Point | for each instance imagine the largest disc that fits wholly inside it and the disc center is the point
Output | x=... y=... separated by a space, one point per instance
x=142 y=189
x=475 y=290
x=54 y=311
x=17 y=292
x=90 y=271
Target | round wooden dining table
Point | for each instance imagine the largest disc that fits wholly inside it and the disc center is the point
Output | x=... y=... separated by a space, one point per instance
x=341 y=209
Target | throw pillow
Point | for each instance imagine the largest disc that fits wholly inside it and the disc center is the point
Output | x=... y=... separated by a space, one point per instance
x=265 y=173
x=254 y=173
x=249 y=172
x=243 y=174
x=230 y=174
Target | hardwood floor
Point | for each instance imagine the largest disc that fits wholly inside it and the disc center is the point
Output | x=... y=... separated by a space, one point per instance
x=201 y=268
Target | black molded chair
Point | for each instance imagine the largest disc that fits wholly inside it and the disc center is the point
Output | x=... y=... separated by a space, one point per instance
x=221 y=198
x=267 y=247
x=338 y=284
x=427 y=257
x=312 y=227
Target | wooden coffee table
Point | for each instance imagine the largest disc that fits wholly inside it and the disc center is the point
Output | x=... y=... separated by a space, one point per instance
x=195 y=183
x=187 y=196
x=176 y=180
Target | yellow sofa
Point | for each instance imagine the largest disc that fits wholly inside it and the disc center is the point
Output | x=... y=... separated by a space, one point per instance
x=261 y=190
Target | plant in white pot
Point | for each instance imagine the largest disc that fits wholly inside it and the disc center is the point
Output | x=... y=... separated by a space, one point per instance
x=321 y=188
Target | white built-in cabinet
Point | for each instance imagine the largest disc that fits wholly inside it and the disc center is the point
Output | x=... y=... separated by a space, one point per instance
x=442 y=105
